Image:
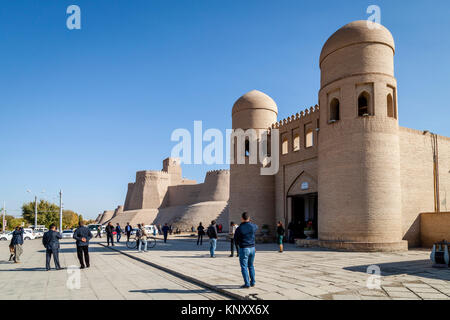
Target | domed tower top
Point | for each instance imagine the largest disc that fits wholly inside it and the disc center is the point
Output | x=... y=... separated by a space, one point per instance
x=254 y=109
x=356 y=48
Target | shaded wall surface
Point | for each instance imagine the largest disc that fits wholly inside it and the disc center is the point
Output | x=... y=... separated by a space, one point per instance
x=434 y=227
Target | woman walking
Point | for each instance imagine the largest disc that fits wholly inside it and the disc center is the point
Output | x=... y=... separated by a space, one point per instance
x=280 y=235
x=201 y=233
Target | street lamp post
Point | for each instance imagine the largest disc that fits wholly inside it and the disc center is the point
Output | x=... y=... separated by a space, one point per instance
x=4 y=217
x=60 y=211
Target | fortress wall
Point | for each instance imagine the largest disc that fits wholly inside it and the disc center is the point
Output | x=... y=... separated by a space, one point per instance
x=216 y=186
x=134 y=217
x=129 y=195
x=182 y=195
x=118 y=211
x=106 y=216
x=417 y=179
x=149 y=190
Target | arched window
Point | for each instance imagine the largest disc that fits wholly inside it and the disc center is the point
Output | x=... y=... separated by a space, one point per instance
x=284 y=146
x=390 y=106
x=247 y=148
x=334 y=110
x=296 y=145
x=363 y=104
x=309 y=138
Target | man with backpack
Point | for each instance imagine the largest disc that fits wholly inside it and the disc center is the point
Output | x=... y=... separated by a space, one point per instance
x=212 y=234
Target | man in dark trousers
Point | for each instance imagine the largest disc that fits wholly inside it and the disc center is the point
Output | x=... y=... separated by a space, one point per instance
x=165 y=231
x=109 y=234
x=17 y=242
x=99 y=231
x=128 y=231
x=83 y=235
x=212 y=234
x=245 y=238
x=51 y=244
x=118 y=232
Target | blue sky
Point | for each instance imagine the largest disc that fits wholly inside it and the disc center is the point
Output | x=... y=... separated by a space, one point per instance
x=83 y=110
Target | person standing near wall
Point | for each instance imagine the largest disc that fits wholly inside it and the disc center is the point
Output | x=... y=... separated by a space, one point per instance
x=142 y=238
x=50 y=240
x=280 y=235
x=82 y=236
x=165 y=231
x=128 y=231
x=110 y=234
x=245 y=237
x=212 y=234
x=201 y=233
x=17 y=242
x=119 y=232
x=233 y=243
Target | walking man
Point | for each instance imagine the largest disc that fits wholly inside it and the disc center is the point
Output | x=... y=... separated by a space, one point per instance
x=119 y=232
x=99 y=231
x=83 y=235
x=143 y=238
x=109 y=234
x=51 y=244
x=165 y=231
x=17 y=242
x=201 y=233
x=233 y=243
x=212 y=234
x=128 y=231
x=245 y=238
x=280 y=235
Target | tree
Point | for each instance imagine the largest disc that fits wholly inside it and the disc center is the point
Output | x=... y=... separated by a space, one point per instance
x=48 y=213
x=70 y=219
x=11 y=222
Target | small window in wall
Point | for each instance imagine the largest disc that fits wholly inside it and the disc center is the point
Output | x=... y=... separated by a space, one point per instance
x=334 y=110
x=363 y=104
x=309 y=138
x=247 y=148
x=390 y=106
x=296 y=142
x=284 y=146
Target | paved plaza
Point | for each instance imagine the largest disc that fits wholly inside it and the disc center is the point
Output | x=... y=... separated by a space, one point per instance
x=298 y=273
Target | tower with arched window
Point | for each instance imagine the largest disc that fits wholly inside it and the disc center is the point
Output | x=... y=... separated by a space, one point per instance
x=359 y=138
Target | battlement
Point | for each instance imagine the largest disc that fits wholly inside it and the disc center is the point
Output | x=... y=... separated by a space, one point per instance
x=151 y=173
x=297 y=117
x=217 y=172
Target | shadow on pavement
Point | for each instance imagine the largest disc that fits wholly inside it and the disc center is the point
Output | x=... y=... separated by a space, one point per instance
x=171 y=291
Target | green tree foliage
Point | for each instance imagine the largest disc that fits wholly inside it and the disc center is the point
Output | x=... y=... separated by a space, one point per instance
x=70 y=219
x=11 y=222
x=48 y=213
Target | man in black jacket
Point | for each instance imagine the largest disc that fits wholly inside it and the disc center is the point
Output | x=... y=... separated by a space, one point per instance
x=51 y=244
x=17 y=242
x=109 y=234
x=83 y=235
x=245 y=238
x=128 y=231
x=212 y=234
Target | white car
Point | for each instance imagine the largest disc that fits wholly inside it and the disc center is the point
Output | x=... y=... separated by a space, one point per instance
x=28 y=234
x=6 y=236
x=67 y=234
x=151 y=229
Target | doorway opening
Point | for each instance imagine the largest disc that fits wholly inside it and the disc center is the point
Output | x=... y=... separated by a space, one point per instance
x=304 y=214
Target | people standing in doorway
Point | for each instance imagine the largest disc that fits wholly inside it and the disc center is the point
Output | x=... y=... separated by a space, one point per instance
x=212 y=234
x=280 y=235
x=119 y=232
x=201 y=233
x=142 y=238
x=82 y=236
x=233 y=243
x=50 y=240
x=291 y=232
x=128 y=231
x=110 y=234
x=245 y=237
x=165 y=231
x=99 y=231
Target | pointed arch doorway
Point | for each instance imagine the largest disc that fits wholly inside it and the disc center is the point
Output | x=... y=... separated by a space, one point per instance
x=302 y=205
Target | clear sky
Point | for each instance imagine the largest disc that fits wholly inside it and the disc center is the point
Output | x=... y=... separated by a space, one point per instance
x=83 y=110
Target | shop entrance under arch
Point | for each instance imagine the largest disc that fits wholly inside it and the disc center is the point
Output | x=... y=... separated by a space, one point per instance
x=303 y=209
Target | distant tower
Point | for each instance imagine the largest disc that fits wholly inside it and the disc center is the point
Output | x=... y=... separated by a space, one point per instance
x=359 y=159
x=249 y=190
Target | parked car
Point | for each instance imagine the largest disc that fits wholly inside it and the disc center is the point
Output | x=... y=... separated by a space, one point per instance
x=67 y=233
x=7 y=236
x=39 y=232
x=151 y=229
x=28 y=234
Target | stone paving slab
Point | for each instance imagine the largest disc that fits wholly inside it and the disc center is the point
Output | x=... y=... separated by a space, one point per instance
x=111 y=276
x=304 y=273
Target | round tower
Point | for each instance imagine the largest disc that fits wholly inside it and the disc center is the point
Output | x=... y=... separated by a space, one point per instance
x=359 y=158
x=249 y=190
